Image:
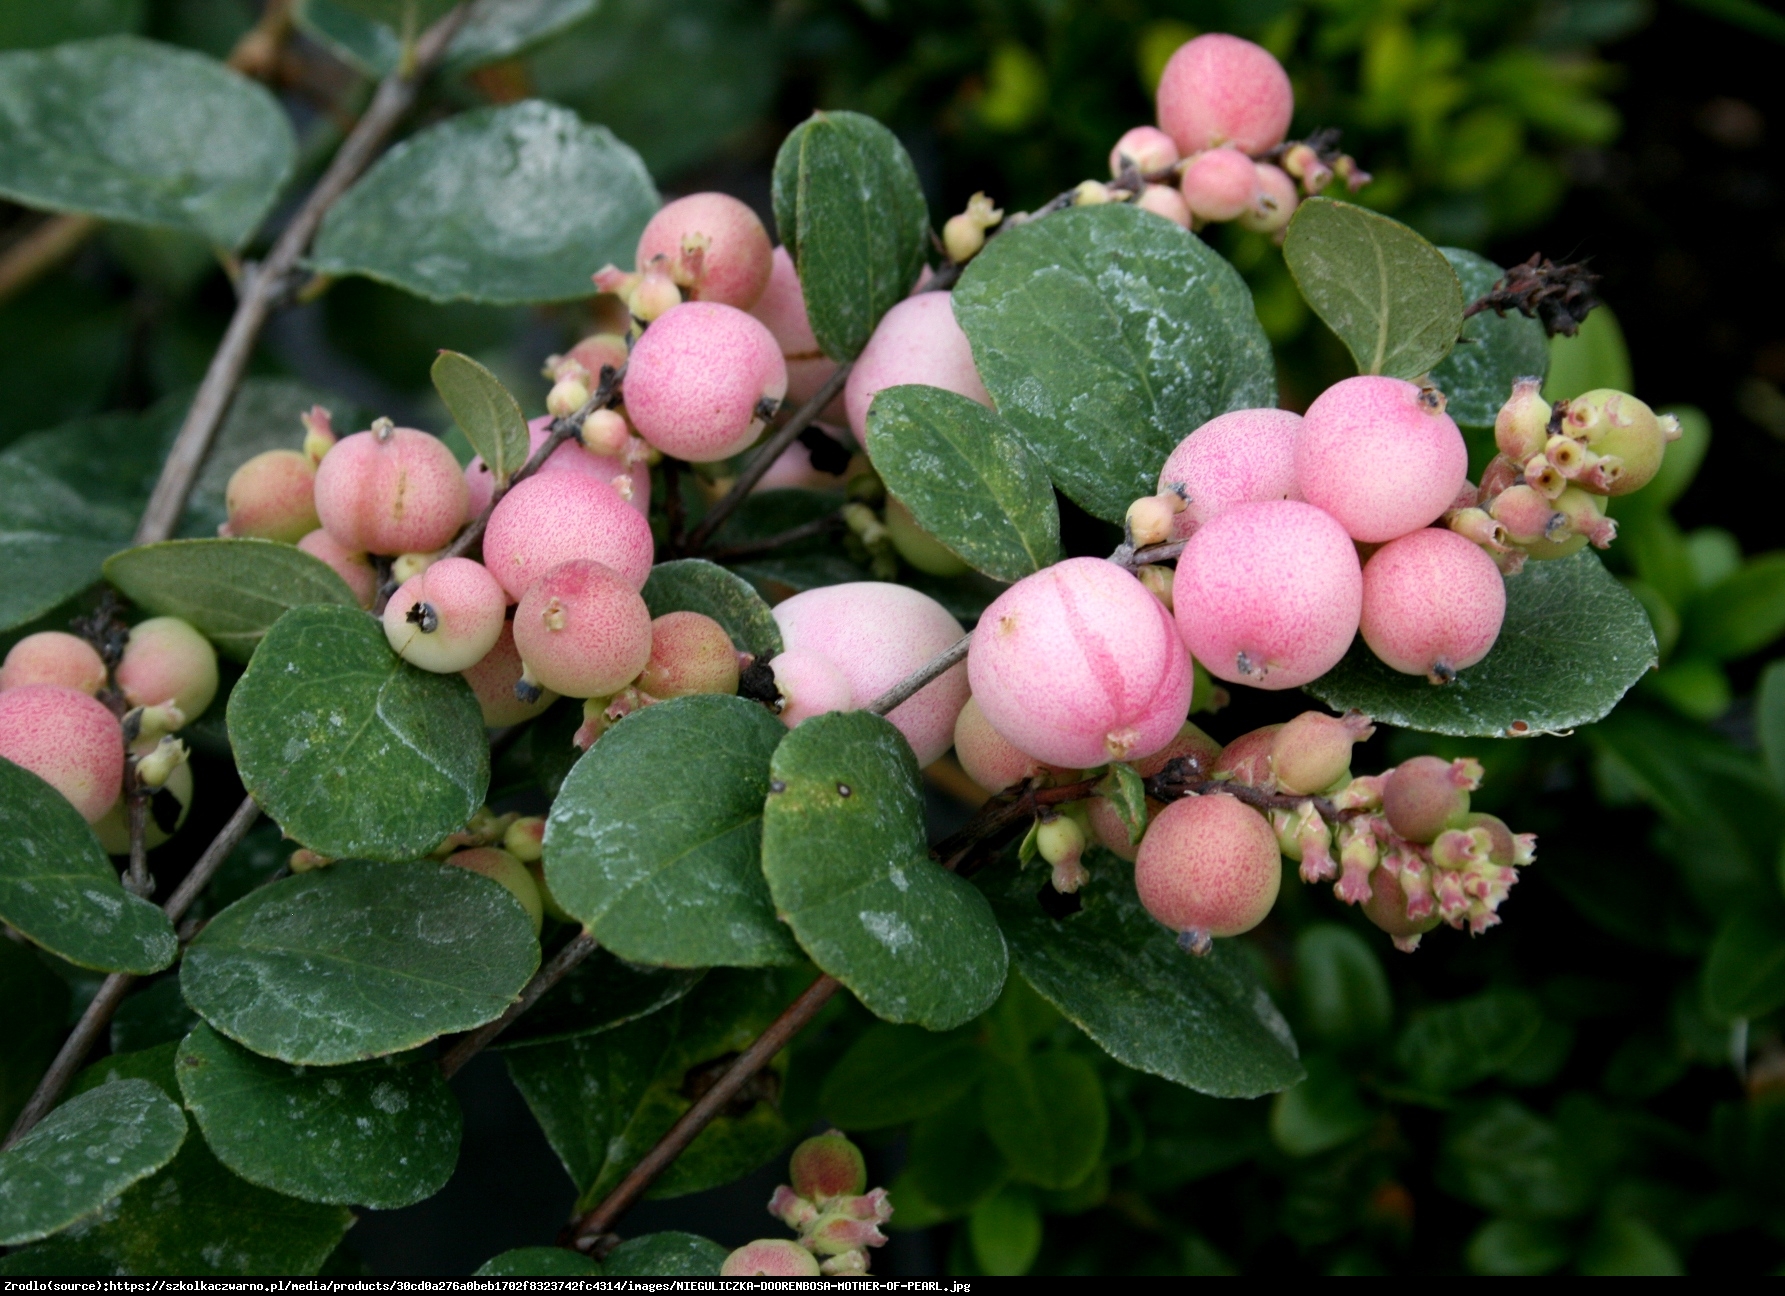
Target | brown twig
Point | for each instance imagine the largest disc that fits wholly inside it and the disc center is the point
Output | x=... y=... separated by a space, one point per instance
x=937 y=665
x=469 y=1045
x=137 y=881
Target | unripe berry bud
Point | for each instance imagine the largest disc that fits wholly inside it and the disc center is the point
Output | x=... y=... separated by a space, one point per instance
x=605 y=433
x=305 y=860
x=826 y=1166
x=1220 y=89
x=770 y=1258
x=448 y=618
x=168 y=807
x=1247 y=759
x=1273 y=203
x=1305 y=164
x=1208 y=866
x=1524 y=513
x=1500 y=473
x=501 y=867
x=690 y=653
x=319 y=433
x=838 y=1235
x=272 y=497
x=1091 y=193
x=148 y=725
x=1312 y=752
x=52 y=657
x=654 y=295
x=582 y=630
x=525 y=839
x=1616 y=423
x=166 y=660
x=69 y=740
x=566 y=397
x=1458 y=848
x=989 y=758
x=1390 y=908
x=1505 y=847
x=154 y=769
x=406 y=567
x=1061 y=842
x=1521 y=428
x=1478 y=527
x=1219 y=185
x=1424 y=796
x=1150 y=518
x=1568 y=455
x=1157 y=580
x=1584 y=517
x=1146 y=148
x=1166 y=201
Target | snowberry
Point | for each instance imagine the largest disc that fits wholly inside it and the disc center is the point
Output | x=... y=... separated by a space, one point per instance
x=697 y=377
x=713 y=247
x=69 y=740
x=876 y=634
x=551 y=518
x=605 y=434
x=653 y=296
x=1219 y=89
x=1387 y=909
x=690 y=653
x=770 y=1258
x=493 y=679
x=583 y=461
x=1146 y=148
x=1166 y=201
x=1239 y=457
x=582 y=630
x=272 y=496
x=391 y=490
x=1190 y=742
x=1060 y=841
x=987 y=756
x=1268 y=594
x=827 y=1165
x=167 y=813
x=1273 y=201
x=1219 y=185
x=166 y=660
x=52 y=657
x=1424 y=796
x=917 y=546
x=917 y=341
x=448 y=618
x=499 y=866
x=1526 y=514
x=809 y=684
x=1614 y=423
x=1433 y=603
x=1521 y=428
x=1381 y=456
x=1079 y=665
x=350 y=565
x=1313 y=751
x=1247 y=759
x=1208 y=866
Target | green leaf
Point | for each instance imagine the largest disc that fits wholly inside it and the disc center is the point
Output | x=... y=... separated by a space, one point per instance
x=367 y=33
x=1512 y=1248
x=1005 y=1231
x=58 y=888
x=490 y=418
x=844 y=852
x=383 y=1134
x=231 y=590
x=696 y=585
x=1769 y=720
x=1505 y=1159
x=1047 y=1114
x=895 y=1074
x=1392 y=298
x=1106 y=336
x=1464 y=1042
x=665 y=1255
x=1494 y=352
x=600 y=993
x=501 y=205
x=1127 y=796
x=134 y=131
x=1321 y=1112
x=1740 y=614
x=1118 y=975
x=1344 y=993
x=951 y=1161
x=33 y=1015
x=1744 y=974
x=1573 y=642
x=359 y=960
x=350 y=749
x=967 y=478
x=851 y=212
x=655 y=840
x=1626 y=1247
x=83 y=1154
x=539 y=1262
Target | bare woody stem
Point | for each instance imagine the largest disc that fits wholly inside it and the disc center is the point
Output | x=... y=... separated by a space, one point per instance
x=469 y=1045
x=98 y=1016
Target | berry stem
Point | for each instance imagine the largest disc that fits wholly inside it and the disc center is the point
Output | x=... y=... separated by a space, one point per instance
x=468 y=1046
x=816 y=527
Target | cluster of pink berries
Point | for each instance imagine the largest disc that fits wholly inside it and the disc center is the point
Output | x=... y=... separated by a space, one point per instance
x=829 y=1206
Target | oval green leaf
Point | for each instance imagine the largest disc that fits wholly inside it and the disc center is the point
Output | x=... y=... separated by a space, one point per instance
x=539 y=1262
x=1047 y=1114
x=696 y=585
x=1744 y=975
x=131 y=130
x=1494 y=351
x=600 y=993
x=501 y=205
x=655 y=840
x=359 y=960
x=367 y=33
x=350 y=749
x=844 y=852
x=33 y=1017
x=1465 y=1041
x=383 y=1134
x=665 y=1255
x=82 y=1155
x=1742 y=613
x=58 y=888
x=1574 y=641
x=894 y=1074
x=967 y=478
x=486 y=413
x=1106 y=336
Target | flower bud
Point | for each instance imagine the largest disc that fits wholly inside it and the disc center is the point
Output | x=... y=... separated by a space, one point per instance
x=792 y=1209
x=611 y=279
x=1312 y=752
x=1158 y=581
x=827 y=1165
x=1061 y=842
x=566 y=397
x=158 y=766
x=304 y=860
x=147 y=724
x=1302 y=162
x=405 y=567
x=962 y=237
x=1524 y=514
x=605 y=433
x=770 y=1258
x=1521 y=428
x=1091 y=193
x=836 y=1233
x=319 y=433
x=1149 y=519
x=1478 y=525
x=525 y=839
x=655 y=294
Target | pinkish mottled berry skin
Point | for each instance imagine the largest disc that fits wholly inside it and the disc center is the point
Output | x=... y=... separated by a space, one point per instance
x=350 y=565
x=810 y=684
x=690 y=653
x=1313 y=751
x=1208 y=865
x=917 y=341
x=551 y=518
x=1247 y=759
x=571 y=457
x=1107 y=825
x=827 y=1165
x=52 y=657
x=273 y=497
x=1387 y=907
x=876 y=634
x=1381 y=456
x=1147 y=147
x=391 y=491
x=1079 y=665
x=69 y=740
x=793 y=470
x=770 y=1258
x=1433 y=603
x=782 y=310
x=1241 y=457
x=1273 y=203
x=733 y=269
x=1219 y=185
x=987 y=755
x=447 y=618
x=1166 y=201
x=166 y=660
x=1424 y=796
x=1219 y=89
x=1268 y=594
x=696 y=378
x=493 y=680
x=583 y=631
x=501 y=867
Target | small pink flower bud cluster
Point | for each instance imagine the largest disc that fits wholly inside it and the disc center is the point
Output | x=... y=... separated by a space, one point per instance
x=828 y=1206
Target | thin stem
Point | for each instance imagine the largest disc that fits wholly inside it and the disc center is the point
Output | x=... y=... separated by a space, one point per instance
x=47 y=246
x=138 y=881
x=802 y=532
x=950 y=656
x=468 y=1046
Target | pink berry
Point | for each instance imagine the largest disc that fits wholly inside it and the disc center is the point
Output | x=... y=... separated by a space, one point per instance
x=987 y=756
x=1219 y=89
x=770 y=1258
x=166 y=660
x=690 y=653
x=1148 y=148
x=447 y=618
x=502 y=868
x=1381 y=456
x=712 y=245
x=272 y=496
x=1387 y=909
x=69 y=740
x=493 y=679
x=810 y=684
x=876 y=634
x=570 y=457
x=793 y=470
x=582 y=630
x=826 y=1166
x=391 y=490
x=1240 y=457
x=1220 y=184
x=1166 y=201
x=782 y=310
x=1268 y=594
x=917 y=341
x=1273 y=203
x=551 y=518
x=1208 y=866
x=1433 y=603
x=52 y=657
x=1424 y=796
x=1079 y=665
x=352 y=567
x=1313 y=751
x=1247 y=759
x=697 y=377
